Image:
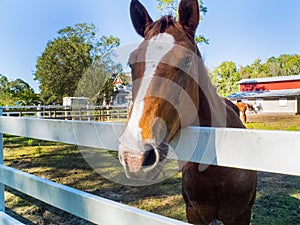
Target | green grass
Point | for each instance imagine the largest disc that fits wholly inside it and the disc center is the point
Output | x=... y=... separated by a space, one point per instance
x=64 y=164
x=276 y=126
x=278 y=196
x=278 y=200
x=274 y=122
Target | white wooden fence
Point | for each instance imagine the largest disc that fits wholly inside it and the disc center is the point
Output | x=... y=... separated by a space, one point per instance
x=88 y=112
x=271 y=151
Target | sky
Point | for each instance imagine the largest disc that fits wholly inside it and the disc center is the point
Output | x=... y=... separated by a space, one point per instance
x=238 y=30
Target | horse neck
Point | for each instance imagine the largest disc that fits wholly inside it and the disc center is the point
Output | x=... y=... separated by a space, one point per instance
x=213 y=112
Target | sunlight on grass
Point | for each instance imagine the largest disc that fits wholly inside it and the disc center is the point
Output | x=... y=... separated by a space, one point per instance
x=296 y=196
x=171 y=206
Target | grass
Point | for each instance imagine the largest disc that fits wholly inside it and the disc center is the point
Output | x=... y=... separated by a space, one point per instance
x=277 y=200
x=64 y=164
x=287 y=122
x=278 y=196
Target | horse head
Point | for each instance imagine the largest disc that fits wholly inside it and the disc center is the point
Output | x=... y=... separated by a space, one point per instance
x=165 y=87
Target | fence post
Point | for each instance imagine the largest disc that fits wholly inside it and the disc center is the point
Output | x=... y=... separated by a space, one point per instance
x=7 y=110
x=108 y=116
x=66 y=112
x=2 y=200
x=39 y=109
x=88 y=112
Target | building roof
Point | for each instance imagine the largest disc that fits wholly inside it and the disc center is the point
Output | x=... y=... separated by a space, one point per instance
x=264 y=94
x=269 y=79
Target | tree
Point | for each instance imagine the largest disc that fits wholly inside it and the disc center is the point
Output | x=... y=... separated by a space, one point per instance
x=67 y=58
x=284 y=65
x=87 y=33
x=171 y=7
x=290 y=64
x=255 y=70
x=23 y=94
x=225 y=78
x=96 y=80
x=4 y=83
x=5 y=95
x=108 y=90
x=16 y=92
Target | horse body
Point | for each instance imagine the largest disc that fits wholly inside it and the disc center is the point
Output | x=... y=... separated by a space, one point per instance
x=171 y=90
x=218 y=193
x=243 y=108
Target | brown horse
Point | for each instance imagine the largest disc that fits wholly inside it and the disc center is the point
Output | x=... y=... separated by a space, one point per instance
x=171 y=90
x=243 y=108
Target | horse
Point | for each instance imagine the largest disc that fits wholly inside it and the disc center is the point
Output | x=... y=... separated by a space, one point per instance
x=243 y=108
x=172 y=90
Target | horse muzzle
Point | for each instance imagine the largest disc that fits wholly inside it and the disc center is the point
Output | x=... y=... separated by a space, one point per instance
x=143 y=165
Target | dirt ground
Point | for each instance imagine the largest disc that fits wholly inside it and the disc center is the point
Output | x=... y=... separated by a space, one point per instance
x=273 y=121
x=270 y=117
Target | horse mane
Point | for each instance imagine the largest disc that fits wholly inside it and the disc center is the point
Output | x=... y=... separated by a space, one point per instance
x=161 y=25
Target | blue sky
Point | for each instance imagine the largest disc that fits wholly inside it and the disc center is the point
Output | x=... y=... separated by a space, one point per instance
x=238 y=30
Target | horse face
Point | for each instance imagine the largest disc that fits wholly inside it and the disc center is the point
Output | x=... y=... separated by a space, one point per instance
x=165 y=92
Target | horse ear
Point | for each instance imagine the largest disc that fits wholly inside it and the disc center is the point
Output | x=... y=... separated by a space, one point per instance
x=139 y=17
x=189 y=15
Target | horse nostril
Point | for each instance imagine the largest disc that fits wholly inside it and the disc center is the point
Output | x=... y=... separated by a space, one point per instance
x=150 y=156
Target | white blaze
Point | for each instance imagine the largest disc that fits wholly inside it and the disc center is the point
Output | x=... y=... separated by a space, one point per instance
x=157 y=48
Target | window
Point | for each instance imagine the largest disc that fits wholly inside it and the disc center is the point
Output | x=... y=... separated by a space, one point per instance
x=282 y=102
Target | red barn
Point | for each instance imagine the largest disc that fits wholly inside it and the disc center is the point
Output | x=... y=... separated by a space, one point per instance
x=273 y=94
x=270 y=83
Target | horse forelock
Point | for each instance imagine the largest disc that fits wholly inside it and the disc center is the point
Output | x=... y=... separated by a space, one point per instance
x=161 y=25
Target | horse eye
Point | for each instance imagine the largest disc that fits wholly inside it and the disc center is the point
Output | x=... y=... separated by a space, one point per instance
x=187 y=61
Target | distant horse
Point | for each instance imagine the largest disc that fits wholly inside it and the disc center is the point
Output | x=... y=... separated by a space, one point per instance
x=243 y=108
x=171 y=90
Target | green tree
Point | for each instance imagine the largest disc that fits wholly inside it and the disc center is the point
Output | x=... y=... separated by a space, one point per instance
x=108 y=90
x=225 y=78
x=290 y=64
x=5 y=95
x=23 y=94
x=16 y=92
x=171 y=7
x=284 y=65
x=255 y=70
x=271 y=68
x=4 y=83
x=96 y=80
x=67 y=58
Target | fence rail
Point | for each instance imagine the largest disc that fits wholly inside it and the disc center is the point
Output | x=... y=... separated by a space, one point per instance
x=270 y=151
x=95 y=113
x=87 y=206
